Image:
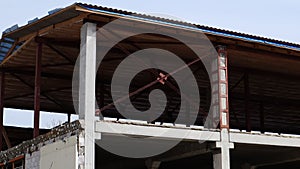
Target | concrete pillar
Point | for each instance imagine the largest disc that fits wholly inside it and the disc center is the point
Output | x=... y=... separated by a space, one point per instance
x=87 y=78
x=221 y=156
x=217 y=159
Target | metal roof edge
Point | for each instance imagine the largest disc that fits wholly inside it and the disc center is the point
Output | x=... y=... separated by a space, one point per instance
x=205 y=29
x=11 y=34
x=186 y=25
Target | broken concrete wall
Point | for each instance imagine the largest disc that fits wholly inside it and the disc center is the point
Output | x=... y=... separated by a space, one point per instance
x=56 y=149
x=61 y=154
x=32 y=160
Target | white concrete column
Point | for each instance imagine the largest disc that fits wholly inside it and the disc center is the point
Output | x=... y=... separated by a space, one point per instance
x=222 y=156
x=217 y=159
x=87 y=76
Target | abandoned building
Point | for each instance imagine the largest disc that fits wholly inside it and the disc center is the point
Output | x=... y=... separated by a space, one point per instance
x=258 y=93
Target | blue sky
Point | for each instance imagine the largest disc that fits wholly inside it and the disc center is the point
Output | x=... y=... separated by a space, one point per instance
x=24 y=118
x=274 y=19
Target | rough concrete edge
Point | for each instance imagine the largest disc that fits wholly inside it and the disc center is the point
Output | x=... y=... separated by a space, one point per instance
x=29 y=146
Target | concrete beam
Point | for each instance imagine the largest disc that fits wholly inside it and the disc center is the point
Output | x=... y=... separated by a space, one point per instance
x=263 y=139
x=105 y=127
x=87 y=78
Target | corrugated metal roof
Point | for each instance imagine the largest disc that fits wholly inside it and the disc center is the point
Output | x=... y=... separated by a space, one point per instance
x=6 y=43
x=53 y=17
x=205 y=29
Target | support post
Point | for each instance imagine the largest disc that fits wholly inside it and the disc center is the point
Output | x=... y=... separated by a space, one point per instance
x=37 y=89
x=101 y=100
x=246 y=99
x=4 y=133
x=221 y=156
x=219 y=93
x=223 y=87
x=87 y=79
x=262 y=117
x=2 y=85
x=69 y=117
